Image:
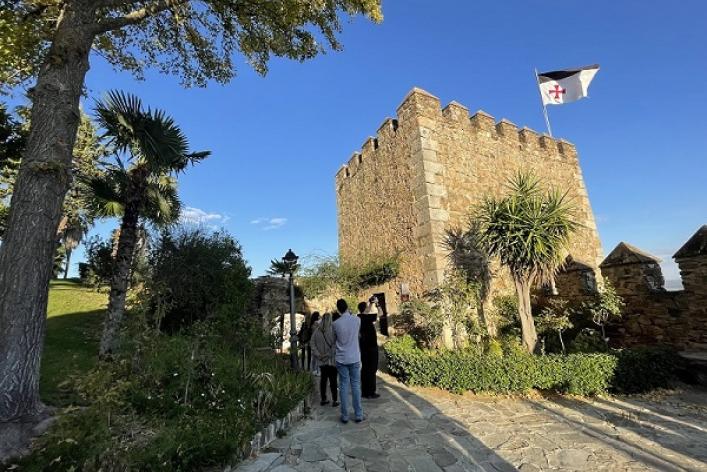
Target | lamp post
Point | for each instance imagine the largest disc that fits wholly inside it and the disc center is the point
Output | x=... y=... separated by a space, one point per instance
x=290 y=261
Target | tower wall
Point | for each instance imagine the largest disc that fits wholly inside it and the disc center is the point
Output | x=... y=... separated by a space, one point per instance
x=427 y=173
x=375 y=206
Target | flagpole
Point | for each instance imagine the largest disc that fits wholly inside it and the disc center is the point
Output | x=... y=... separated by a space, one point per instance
x=547 y=119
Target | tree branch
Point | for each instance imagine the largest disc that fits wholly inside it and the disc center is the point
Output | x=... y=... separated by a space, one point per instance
x=114 y=3
x=135 y=16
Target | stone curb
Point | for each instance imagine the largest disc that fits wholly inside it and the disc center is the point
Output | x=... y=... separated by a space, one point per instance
x=269 y=433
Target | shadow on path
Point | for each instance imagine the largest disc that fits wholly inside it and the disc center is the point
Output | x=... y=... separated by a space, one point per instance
x=402 y=432
x=426 y=429
x=638 y=426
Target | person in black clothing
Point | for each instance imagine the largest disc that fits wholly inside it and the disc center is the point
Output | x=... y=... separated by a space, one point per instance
x=305 y=334
x=368 y=343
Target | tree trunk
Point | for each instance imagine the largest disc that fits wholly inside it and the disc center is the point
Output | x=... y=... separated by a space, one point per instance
x=562 y=341
x=29 y=244
x=487 y=319
x=486 y=312
x=68 y=263
x=121 y=274
x=530 y=336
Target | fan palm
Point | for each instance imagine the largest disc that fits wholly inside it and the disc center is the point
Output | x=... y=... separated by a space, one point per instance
x=71 y=235
x=529 y=231
x=282 y=268
x=155 y=150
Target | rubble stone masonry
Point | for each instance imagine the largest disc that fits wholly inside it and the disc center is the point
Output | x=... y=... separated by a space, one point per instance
x=653 y=315
x=423 y=173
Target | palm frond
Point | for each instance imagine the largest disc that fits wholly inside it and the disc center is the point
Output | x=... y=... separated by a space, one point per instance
x=154 y=147
x=162 y=204
x=148 y=135
x=529 y=229
x=106 y=192
x=282 y=268
x=121 y=117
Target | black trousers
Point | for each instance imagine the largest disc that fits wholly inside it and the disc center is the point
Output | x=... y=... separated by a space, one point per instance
x=328 y=374
x=306 y=356
x=369 y=366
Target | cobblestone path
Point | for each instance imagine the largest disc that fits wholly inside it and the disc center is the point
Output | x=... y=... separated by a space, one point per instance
x=426 y=430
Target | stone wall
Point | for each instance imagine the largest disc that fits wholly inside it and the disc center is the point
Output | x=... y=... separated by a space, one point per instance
x=375 y=207
x=576 y=281
x=423 y=173
x=271 y=301
x=652 y=314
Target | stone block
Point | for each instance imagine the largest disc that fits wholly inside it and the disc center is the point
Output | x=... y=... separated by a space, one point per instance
x=428 y=173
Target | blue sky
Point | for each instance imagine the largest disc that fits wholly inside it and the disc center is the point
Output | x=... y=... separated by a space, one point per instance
x=278 y=141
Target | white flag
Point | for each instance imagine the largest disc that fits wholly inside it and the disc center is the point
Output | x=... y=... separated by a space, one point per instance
x=565 y=86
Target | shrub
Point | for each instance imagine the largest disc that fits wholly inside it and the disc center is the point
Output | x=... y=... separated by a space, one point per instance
x=516 y=371
x=185 y=399
x=193 y=273
x=329 y=274
x=458 y=302
x=83 y=271
x=643 y=369
x=606 y=305
x=554 y=319
x=375 y=271
x=505 y=308
x=494 y=348
x=421 y=321
x=181 y=402
x=588 y=340
x=99 y=259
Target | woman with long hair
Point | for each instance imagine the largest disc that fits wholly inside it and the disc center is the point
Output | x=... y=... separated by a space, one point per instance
x=323 y=346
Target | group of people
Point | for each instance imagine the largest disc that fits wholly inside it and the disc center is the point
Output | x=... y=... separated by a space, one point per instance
x=344 y=348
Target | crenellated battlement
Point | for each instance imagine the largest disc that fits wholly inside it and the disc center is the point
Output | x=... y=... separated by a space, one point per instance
x=386 y=136
x=481 y=125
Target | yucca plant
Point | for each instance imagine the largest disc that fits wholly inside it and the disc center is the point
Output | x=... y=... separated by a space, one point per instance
x=150 y=149
x=529 y=231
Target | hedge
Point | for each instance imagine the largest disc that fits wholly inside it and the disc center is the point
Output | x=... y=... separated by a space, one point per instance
x=515 y=371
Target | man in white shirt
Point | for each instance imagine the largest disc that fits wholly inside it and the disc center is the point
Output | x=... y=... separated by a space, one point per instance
x=348 y=361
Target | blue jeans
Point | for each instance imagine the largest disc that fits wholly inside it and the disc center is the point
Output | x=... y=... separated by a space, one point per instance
x=350 y=374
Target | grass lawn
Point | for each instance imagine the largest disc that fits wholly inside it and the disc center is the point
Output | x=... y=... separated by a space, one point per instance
x=75 y=316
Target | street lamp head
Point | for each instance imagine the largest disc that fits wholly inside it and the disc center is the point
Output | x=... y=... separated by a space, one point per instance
x=290 y=258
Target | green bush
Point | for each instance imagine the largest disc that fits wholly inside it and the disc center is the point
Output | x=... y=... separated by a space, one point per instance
x=505 y=310
x=516 y=371
x=421 y=321
x=588 y=340
x=330 y=274
x=172 y=402
x=193 y=273
x=644 y=369
x=99 y=260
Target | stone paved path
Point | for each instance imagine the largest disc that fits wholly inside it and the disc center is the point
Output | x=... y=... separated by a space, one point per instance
x=426 y=430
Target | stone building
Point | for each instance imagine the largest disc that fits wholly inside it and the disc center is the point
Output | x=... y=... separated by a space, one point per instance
x=423 y=172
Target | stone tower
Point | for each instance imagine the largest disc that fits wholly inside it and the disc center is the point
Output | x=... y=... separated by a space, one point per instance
x=422 y=173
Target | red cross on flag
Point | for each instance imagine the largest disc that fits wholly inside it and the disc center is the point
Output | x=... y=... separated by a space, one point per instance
x=565 y=86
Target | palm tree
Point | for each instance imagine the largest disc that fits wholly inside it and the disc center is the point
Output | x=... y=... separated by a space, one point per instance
x=529 y=230
x=71 y=236
x=281 y=268
x=155 y=150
